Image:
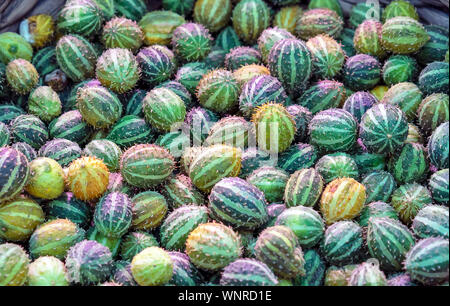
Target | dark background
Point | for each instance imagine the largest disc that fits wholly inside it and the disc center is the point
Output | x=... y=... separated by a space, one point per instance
x=12 y=12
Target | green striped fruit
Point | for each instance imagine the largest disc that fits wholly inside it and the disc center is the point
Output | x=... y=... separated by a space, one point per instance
x=406 y=96
x=274 y=126
x=14 y=46
x=376 y=210
x=146 y=165
x=149 y=209
x=271 y=181
x=427 y=261
x=227 y=39
x=25 y=149
x=248 y=272
x=434 y=78
x=346 y=41
x=303 y=188
x=362 y=11
x=250 y=18
x=252 y=159
x=112 y=243
x=113 y=216
x=293 y=74
x=163 y=108
x=433 y=111
x=181 y=91
x=107 y=8
x=134 y=103
x=82 y=17
x=435 y=48
x=122 y=273
x=383 y=128
x=184 y=7
x=403 y=35
x=367 y=38
x=29 y=129
x=399 y=68
x=327 y=56
x=61 y=150
x=214 y=163
x=105 y=150
x=408 y=199
x=46 y=179
x=298 y=156
x=368 y=274
x=88 y=262
x=14 y=264
x=54 y=238
x=45 y=61
x=87 y=178
x=117 y=184
x=158 y=26
x=99 y=106
x=19 y=218
x=184 y=272
x=244 y=74
x=431 y=221
x=76 y=57
x=236 y=202
x=119 y=78
x=414 y=134
x=342 y=199
x=279 y=249
x=44 y=102
x=218 y=91
x=399 y=8
x=302 y=117
x=214 y=15
x=242 y=56
x=191 y=42
x=47 y=271
x=323 y=95
x=260 y=90
x=21 y=76
x=212 y=246
x=3 y=88
x=152 y=267
x=379 y=186
x=134 y=242
x=338 y=276
x=333 y=130
x=343 y=243
x=358 y=103
x=269 y=37
x=189 y=154
x=130 y=130
x=216 y=58
x=438 y=185
x=361 y=72
x=388 y=240
x=190 y=75
x=14 y=174
x=410 y=164
x=122 y=33
x=314 y=270
x=157 y=64
x=68 y=207
x=70 y=102
x=319 y=21
x=287 y=16
x=438 y=147
x=180 y=191
x=200 y=121
x=179 y=224
x=337 y=165
x=305 y=222
x=176 y=142
x=4 y=135
x=131 y=9
x=333 y=5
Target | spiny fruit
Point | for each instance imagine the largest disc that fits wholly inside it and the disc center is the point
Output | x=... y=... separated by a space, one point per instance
x=149 y=209
x=403 y=35
x=368 y=274
x=158 y=26
x=337 y=165
x=269 y=37
x=304 y=188
x=361 y=72
x=408 y=199
x=399 y=68
x=131 y=9
x=38 y=30
x=431 y=221
x=406 y=96
x=302 y=117
x=22 y=76
x=44 y=102
x=323 y=95
x=122 y=33
x=250 y=18
x=399 y=8
x=134 y=242
x=184 y=272
x=238 y=203
x=105 y=150
x=191 y=42
x=242 y=56
x=47 y=271
x=87 y=178
x=367 y=38
x=68 y=207
x=287 y=17
x=14 y=264
x=213 y=14
x=327 y=56
x=319 y=21
x=298 y=156
x=411 y=163
x=46 y=179
x=146 y=165
x=438 y=147
x=435 y=48
x=275 y=127
x=271 y=181
x=183 y=8
x=152 y=267
x=70 y=126
x=118 y=70
x=342 y=199
x=379 y=186
x=212 y=246
x=376 y=210
x=180 y=191
x=14 y=173
x=157 y=64
x=438 y=185
x=248 y=272
x=29 y=129
x=227 y=39
x=126 y=132
x=358 y=103
x=112 y=216
x=82 y=17
x=433 y=111
x=25 y=149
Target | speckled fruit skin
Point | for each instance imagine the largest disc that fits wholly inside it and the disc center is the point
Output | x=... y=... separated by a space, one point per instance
x=29 y=129
x=269 y=37
x=180 y=191
x=279 y=249
x=368 y=274
x=337 y=165
x=46 y=179
x=13 y=46
x=287 y=17
x=157 y=64
x=135 y=242
x=399 y=68
x=413 y=35
x=22 y=76
x=342 y=199
x=248 y=272
x=411 y=164
x=327 y=56
x=105 y=150
x=68 y=207
x=214 y=15
x=367 y=38
x=319 y=21
x=431 y=221
x=47 y=271
x=112 y=216
x=271 y=181
x=87 y=178
x=158 y=26
x=304 y=188
x=438 y=147
x=152 y=267
x=406 y=96
x=361 y=72
x=212 y=246
x=122 y=33
x=250 y=18
x=438 y=185
x=191 y=42
x=82 y=17
x=14 y=263
x=184 y=272
x=379 y=186
x=408 y=199
x=433 y=111
x=323 y=95
x=44 y=102
x=149 y=209
x=14 y=173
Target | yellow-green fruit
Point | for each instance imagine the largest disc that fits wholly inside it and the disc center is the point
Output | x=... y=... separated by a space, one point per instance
x=46 y=179
x=152 y=267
